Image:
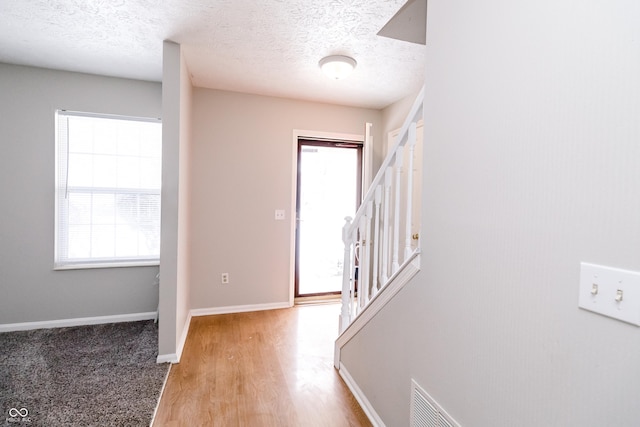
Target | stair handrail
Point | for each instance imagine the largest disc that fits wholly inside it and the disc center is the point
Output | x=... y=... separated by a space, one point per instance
x=358 y=230
x=415 y=109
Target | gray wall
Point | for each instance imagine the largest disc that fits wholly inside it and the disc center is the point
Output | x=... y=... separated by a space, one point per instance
x=241 y=172
x=532 y=165
x=29 y=288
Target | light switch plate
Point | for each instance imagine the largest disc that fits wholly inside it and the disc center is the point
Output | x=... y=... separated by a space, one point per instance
x=611 y=292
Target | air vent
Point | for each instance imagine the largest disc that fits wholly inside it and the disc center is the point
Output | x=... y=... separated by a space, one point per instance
x=425 y=412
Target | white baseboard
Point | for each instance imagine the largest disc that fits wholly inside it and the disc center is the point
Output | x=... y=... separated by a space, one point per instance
x=175 y=357
x=238 y=308
x=183 y=337
x=360 y=397
x=167 y=358
x=80 y=321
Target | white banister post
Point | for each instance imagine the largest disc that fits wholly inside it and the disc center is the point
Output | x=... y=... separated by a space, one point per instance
x=347 y=266
x=388 y=176
x=412 y=147
x=361 y=263
x=376 y=241
x=355 y=257
x=395 y=265
x=366 y=254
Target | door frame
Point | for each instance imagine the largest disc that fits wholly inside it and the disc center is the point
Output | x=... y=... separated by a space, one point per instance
x=391 y=142
x=353 y=145
x=306 y=134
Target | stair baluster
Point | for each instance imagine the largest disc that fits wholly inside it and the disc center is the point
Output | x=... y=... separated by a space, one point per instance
x=379 y=239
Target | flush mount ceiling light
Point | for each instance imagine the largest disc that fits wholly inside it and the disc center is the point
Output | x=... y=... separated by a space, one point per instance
x=337 y=66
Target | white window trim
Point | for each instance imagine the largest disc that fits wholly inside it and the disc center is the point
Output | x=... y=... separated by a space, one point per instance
x=94 y=262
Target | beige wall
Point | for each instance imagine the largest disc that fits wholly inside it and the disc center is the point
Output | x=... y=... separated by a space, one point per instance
x=241 y=172
x=531 y=166
x=394 y=115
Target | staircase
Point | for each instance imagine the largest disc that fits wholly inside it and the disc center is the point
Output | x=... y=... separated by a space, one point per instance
x=382 y=241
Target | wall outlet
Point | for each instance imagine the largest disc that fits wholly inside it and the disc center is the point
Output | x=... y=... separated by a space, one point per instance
x=224 y=278
x=280 y=214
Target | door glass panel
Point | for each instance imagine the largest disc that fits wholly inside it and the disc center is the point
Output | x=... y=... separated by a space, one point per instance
x=328 y=192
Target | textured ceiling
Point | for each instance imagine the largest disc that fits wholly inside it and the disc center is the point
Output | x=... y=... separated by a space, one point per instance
x=263 y=47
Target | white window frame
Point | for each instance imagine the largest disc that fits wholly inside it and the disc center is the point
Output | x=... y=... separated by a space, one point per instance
x=62 y=261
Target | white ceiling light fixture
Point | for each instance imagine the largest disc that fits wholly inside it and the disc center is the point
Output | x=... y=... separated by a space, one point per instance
x=337 y=66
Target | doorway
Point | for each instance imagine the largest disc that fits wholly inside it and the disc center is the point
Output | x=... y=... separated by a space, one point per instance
x=328 y=189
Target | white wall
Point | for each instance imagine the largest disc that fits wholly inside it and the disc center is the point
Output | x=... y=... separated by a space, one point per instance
x=531 y=166
x=29 y=288
x=176 y=161
x=241 y=172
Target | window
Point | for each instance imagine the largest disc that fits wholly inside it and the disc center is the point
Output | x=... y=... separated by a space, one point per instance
x=108 y=176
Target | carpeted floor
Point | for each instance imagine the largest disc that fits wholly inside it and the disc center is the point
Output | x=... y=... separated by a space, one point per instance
x=100 y=375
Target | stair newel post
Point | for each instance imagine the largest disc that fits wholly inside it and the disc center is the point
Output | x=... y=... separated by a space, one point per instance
x=395 y=265
x=348 y=269
x=412 y=146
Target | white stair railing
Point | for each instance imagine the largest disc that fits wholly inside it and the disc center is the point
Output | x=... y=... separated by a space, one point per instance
x=381 y=239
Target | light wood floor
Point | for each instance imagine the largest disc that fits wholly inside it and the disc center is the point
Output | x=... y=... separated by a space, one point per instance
x=268 y=368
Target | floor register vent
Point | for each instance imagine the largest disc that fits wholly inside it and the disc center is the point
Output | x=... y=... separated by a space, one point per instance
x=425 y=412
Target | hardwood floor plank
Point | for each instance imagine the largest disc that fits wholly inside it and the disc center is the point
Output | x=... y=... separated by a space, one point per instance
x=268 y=368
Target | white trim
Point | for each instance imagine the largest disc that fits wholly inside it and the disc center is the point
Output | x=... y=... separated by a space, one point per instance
x=331 y=136
x=65 y=188
x=109 y=116
x=293 y=218
x=367 y=159
x=395 y=285
x=175 y=357
x=107 y=264
x=167 y=358
x=360 y=397
x=80 y=321
x=183 y=338
x=239 y=309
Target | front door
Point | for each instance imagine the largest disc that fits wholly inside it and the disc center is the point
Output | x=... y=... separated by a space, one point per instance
x=329 y=189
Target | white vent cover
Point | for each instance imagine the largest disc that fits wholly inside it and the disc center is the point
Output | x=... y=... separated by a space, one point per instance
x=425 y=412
